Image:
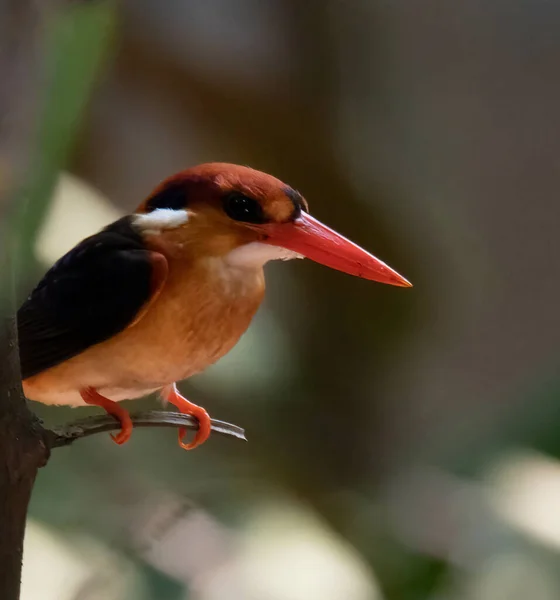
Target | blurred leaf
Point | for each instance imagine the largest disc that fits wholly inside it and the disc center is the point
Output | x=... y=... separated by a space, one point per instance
x=77 y=42
x=157 y=585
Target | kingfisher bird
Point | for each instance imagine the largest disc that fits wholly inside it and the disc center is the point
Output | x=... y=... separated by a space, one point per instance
x=159 y=295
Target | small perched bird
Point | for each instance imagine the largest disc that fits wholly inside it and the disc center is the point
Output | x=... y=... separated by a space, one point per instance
x=163 y=293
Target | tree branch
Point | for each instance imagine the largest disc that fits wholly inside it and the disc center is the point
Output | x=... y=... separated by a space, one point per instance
x=69 y=433
x=22 y=452
x=22 y=448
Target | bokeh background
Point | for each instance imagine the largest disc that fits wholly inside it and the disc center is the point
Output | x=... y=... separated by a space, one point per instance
x=404 y=444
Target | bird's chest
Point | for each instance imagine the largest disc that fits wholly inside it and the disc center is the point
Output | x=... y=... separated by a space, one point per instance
x=192 y=324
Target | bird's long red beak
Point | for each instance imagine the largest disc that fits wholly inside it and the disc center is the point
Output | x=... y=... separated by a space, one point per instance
x=309 y=237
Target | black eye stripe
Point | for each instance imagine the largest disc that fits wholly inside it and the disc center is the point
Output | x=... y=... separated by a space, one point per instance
x=297 y=200
x=242 y=208
x=172 y=196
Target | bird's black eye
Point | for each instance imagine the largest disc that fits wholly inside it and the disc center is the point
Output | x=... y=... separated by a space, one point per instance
x=242 y=208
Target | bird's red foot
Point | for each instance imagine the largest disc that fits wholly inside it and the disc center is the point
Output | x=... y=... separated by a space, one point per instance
x=91 y=396
x=171 y=394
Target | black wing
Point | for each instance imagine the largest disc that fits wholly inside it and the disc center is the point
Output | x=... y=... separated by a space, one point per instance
x=92 y=293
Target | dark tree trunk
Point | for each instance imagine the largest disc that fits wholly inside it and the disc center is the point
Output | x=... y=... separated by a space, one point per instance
x=22 y=452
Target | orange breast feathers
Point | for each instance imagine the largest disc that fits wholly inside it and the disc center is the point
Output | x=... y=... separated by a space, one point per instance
x=199 y=315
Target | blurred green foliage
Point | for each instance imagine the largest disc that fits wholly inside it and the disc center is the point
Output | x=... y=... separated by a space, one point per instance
x=77 y=41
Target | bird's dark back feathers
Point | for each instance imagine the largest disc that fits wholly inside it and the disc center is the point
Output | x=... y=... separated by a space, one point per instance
x=92 y=293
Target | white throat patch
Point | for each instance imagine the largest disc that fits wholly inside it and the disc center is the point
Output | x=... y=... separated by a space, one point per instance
x=256 y=254
x=161 y=218
x=240 y=271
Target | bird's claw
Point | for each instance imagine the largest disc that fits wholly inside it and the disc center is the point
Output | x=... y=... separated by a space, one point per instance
x=91 y=396
x=122 y=437
x=204 y=423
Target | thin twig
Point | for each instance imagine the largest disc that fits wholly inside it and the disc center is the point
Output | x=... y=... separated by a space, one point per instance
x=66 y=434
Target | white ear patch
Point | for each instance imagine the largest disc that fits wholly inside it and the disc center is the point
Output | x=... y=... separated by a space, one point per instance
x=257 y=254
x=161 y=218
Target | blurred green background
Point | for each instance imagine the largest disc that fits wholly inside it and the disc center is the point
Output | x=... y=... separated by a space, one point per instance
x=403 y=444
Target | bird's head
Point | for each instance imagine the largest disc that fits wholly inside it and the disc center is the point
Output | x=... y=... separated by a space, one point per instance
x=247 y=218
